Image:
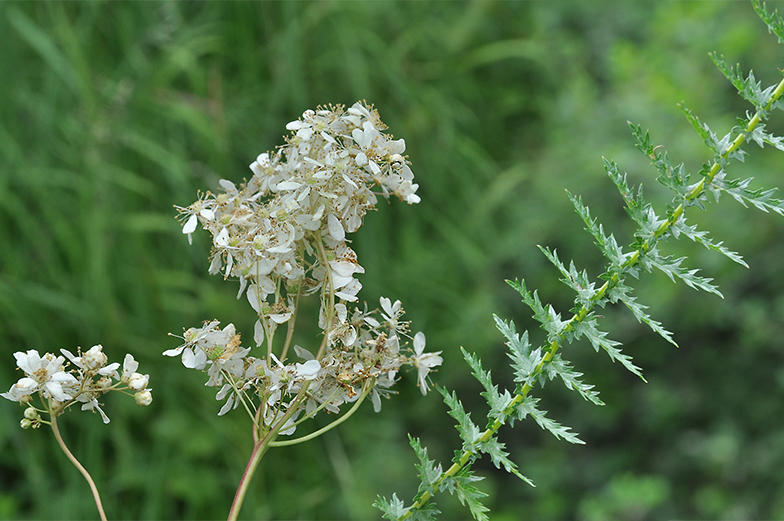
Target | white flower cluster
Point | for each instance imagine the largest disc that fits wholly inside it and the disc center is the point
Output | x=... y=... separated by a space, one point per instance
x=60 y=387
x=364 y=355
x=307 y=195
x=282 y=234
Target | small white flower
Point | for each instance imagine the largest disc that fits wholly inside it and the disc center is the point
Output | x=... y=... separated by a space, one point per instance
x=93 y=361
x=138 y=381
x=43 y=374
x=129 y=367
x=92 y=404
x=424 y=361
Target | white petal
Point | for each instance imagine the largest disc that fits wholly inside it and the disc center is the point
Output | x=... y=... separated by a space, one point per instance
x=280 y=318
x=288 y=185
x=130 y=365
x=336 y=230
x=253 y=298
x=376 y=399
x=397 y=146
x=227 y=185
x=303 y=353
x=258 y=333
x=419 y=343
x=193 y=360
x=227 y=406
x=222 y=239
x=173 y=352
x=56 y=390
x=342 y=312
x=190 y=225
x=28 y=362
x=309 y=369
x=305 y=133
x=109 y=369
x=215 y=264
x=229 y=264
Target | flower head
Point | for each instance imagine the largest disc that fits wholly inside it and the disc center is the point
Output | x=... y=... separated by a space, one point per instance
x=44 y=374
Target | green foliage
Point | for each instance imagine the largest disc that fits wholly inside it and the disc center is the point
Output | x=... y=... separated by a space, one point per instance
x=644 y=252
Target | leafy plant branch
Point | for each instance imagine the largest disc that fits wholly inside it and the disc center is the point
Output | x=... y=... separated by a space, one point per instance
x=545 y=363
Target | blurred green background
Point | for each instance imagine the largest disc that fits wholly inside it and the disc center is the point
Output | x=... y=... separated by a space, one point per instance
x=112 y=112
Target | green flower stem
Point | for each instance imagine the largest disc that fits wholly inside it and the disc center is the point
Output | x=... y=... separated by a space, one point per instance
x=330 y=292
x=93 y=488
x=259 y=448
x=601 y=293
x=365 y=391
x=290 y=326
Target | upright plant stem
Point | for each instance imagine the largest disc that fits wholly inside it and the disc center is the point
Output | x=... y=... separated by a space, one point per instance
x=79 y=466
x=259 y=448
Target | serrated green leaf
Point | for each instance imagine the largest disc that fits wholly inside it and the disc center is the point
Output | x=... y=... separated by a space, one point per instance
x=701 y=237
x=571 y=379
x=393 y=509
x=498 y=455
x=468 y=431
x=749 y=88
x=735 y=75
x=524 y=360
x=622 y=292
x=549 y=319
x=468 y=495
x=599 y=340
x=739 y=190
x=708 y=136
x=606 y=243
x=673 y=177
x=578 y=281
x=772 y=20
x=528 y=408
x=429 y=471
x=497 y=401
x=671 y=266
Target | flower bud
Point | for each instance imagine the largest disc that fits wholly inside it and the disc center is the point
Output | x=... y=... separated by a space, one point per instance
x=31 y=414
x=25 y=423
x=104 y=384
x=138 y=381
x=143 y=398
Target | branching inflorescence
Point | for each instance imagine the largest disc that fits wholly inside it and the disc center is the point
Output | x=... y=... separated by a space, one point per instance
x=538 y=365
x=59 y=384
x=282 y=234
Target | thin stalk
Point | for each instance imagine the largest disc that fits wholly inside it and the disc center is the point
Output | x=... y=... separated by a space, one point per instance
x=365 y=391
x=93 y=488
x=291 y=323
x=327 y=288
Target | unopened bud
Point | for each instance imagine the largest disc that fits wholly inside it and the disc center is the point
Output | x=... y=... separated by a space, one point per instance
x=138 y=381
x=143 y=398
